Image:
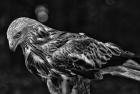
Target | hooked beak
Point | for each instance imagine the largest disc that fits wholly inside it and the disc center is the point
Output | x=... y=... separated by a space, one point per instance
x=13 y=45
x=129 y=69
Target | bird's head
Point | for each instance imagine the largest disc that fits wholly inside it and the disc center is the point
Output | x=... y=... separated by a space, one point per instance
x=23 y=28
x=17 y=31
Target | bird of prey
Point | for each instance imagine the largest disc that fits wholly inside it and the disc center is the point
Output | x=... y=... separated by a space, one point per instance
x=68 y=62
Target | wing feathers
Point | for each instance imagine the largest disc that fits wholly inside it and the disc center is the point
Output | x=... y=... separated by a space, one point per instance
x=36 y=65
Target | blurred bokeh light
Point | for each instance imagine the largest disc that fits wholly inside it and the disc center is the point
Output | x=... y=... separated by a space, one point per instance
x=41 y=13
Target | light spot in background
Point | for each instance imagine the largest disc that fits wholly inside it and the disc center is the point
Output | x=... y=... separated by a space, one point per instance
x=41 y=13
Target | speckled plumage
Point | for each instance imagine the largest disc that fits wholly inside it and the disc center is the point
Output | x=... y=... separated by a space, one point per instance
x=65 y=61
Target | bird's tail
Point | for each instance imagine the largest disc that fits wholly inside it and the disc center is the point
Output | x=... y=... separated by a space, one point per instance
x=129 y=69
x=132 y=56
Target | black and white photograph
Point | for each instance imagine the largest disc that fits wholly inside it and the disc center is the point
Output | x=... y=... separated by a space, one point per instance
x=70 y=47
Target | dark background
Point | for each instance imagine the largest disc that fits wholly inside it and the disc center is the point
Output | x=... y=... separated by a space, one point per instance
x=117 y=21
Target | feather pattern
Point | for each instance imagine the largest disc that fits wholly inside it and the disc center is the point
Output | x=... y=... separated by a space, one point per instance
x=63 y=50
x=62 y=58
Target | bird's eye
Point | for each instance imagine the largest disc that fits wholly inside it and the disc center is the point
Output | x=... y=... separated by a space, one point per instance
x=17 y=35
